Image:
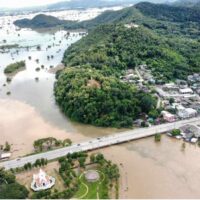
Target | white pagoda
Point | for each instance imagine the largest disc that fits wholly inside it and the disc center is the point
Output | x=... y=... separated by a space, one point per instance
x=42 y=181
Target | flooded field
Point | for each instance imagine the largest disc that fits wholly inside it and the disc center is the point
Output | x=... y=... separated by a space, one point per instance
x=148 y=169
x=30 y=112
x=157 y=170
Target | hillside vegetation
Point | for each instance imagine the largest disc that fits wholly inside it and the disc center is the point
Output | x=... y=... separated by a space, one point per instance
x=42 y=21
x=117 y=48
x=89 y=89
x=87 y=96
x=14 y=67
x=169 y=13
x=163 y=19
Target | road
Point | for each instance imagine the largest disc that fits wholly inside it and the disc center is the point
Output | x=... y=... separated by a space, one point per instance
x=100 y=142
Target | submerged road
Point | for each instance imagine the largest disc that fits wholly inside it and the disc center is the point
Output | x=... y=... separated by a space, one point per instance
x=100 y=142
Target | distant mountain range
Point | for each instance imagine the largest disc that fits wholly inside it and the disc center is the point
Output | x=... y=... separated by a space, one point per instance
x=81 y=4
x=141 y=12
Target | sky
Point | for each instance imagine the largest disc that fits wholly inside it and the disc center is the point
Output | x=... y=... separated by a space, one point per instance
x=30 y=3
x=25 y=3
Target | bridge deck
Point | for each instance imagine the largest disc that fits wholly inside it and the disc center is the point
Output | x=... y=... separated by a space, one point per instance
x=99 y=143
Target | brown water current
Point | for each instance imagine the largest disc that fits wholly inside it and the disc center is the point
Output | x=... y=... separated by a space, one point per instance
x=151 y=170
x=148 y=169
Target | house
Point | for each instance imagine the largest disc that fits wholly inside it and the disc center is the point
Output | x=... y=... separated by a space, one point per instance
x=4 y=156
x=189 y=131
x=178 y=107
x=186 y=113
x=190 y=78
x=167 y=116
x=170 y=87
x=42 y=181
x=138 y=122
x=186 y=91
x=131 y=25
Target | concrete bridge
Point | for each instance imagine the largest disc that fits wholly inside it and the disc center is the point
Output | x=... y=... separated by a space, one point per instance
x=100 y=142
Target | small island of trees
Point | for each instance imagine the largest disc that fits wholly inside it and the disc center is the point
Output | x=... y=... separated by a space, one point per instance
x=14 y=67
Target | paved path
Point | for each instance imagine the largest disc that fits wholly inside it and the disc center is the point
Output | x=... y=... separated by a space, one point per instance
x=100 y=142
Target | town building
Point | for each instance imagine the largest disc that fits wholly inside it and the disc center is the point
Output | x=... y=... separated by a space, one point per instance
x=186 y=91
x=190 y=131
x=5 y=156
x=42 y=181
x=168 y=117
x=186 y=113
x=170 y=87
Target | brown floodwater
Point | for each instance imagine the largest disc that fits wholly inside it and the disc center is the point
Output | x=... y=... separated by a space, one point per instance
x=157 y=170
x=148 y=169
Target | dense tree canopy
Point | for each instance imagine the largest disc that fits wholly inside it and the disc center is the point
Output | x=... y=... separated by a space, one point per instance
x=117 y=48
x=9 y=188
x=167 y=40
x=87 y=96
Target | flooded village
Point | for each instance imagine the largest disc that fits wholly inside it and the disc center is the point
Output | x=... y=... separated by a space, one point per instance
x=28 y=112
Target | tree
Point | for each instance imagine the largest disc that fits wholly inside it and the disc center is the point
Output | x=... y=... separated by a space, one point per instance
x=92 y=158
x=82 y=162
x=171 y=101
x=183 y=146
x=37 y=163
x=7 y=147
x=9 y=188
x=154 y=113
x=39 y=48
x=176 y=132
x=147 y=103
x=13 y=191
x=157 y=137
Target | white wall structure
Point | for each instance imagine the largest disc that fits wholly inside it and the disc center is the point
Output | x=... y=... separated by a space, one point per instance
x=42 y=181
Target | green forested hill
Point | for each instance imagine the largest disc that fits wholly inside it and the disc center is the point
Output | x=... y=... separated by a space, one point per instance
x=115 y=47
x=88 y=96
x=187 y=3
x=89 y=89
x=163 y=19
x=42 y=21
x=169 y=13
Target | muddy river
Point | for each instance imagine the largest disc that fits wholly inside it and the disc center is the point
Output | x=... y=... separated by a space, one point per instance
x=148 y=169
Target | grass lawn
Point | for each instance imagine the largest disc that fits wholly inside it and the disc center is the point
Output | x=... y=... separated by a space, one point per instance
x=91 y=190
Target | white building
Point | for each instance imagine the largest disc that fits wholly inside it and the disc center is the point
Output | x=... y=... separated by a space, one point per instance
x=186 y=113
x=131 y=25
x=168 y=116
x=186 y=91
x=5 y=156
x=42 y=181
